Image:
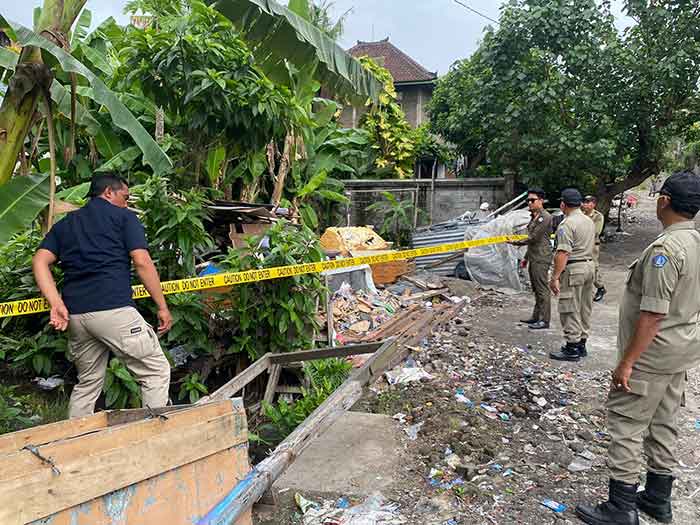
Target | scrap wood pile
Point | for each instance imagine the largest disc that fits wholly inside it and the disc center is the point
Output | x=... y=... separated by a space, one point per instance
x=408 y=310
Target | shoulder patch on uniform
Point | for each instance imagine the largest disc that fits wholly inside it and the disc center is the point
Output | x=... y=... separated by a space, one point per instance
x=136 y=330
x=659 y=261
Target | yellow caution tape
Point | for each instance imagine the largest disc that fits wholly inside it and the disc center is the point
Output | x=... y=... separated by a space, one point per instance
x=198 y=284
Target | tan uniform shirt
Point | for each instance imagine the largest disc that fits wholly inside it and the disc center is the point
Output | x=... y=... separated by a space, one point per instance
x=539 y=249
x=666 y=280
x=599 y=222
x=576 y=236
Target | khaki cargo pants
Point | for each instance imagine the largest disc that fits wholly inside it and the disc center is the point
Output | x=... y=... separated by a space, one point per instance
x=652 y=409
x=598 y=279
x=122 y=331
x=576 y=300
x=539 y=279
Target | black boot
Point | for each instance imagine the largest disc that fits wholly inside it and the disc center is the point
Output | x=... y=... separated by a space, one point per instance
x=582 y=347
x=570 y=352
x=655 y=499
x=599 y=294
x=620 y=509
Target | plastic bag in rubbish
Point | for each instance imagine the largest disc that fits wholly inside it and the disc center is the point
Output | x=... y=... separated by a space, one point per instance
x=497 y=264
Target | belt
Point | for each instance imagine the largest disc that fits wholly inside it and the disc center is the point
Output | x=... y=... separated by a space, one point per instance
x=579 y=261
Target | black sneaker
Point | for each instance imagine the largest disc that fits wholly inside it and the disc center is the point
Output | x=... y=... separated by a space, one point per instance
x=599 y=294
x=529 y=321
x=539 y=325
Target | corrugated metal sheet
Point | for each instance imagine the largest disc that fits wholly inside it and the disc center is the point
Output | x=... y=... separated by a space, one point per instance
x=443 y=233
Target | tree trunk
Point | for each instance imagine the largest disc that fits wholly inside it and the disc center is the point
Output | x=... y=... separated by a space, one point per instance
x=283 y=169
x=20 y=102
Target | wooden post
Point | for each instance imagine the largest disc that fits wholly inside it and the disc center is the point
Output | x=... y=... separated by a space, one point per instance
x=275 y=371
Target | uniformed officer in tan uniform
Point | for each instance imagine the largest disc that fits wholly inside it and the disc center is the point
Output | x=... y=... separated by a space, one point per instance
x=572 y=276
x=539 y=258
x=658 y=342
x=589 y=208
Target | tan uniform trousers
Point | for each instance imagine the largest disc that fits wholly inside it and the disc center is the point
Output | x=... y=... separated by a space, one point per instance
x=122 y=331
x=652 y=409
x=539 y=279
x=598 y=279
x=576 y=300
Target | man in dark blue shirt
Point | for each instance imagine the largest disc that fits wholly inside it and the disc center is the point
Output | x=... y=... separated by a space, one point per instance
x=95 y=246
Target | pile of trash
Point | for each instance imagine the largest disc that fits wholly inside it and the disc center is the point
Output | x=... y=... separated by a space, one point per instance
x=490 y=421
x=360 y=311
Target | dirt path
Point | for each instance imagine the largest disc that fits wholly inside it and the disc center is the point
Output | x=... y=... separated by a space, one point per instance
x=503 y=427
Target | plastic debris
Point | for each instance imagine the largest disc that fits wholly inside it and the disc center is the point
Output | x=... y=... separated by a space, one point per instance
x=554 y=505
x=48 y=383
x=373 y=511
x=580 y=465
x=488 y=408
x=412 y=431
x=461 y=398
x=406 y=375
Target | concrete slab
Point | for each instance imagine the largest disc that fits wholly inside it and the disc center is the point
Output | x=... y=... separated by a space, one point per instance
x=357 y=456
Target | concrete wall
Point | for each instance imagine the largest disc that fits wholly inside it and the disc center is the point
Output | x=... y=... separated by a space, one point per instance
x=452 y=196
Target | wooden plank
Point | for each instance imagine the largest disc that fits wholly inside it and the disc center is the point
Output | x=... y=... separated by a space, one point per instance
x=122 y=417
x=287 y=389
x=259 y=481
x=52 y=432
x=96 y=464
x=422 y=296
x=389 y=328
x=323 y=353
x=240 y=381
x=176 y=497
x=275 y=371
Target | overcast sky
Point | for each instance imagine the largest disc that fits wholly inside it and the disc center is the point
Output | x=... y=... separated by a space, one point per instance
x=433 y=32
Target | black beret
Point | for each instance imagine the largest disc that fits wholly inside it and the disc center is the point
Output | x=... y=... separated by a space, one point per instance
x=571 y=197
x=684 y=190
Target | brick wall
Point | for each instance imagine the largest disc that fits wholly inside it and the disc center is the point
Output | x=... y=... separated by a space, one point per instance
x=452 y=196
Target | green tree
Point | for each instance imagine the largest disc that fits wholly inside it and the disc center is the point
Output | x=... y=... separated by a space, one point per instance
x=392 y=136
x=557 y=94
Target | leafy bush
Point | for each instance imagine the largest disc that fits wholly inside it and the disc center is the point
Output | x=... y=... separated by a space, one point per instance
x=325 y=376
x=174 y=225
x=192 y=388
x=120 y=388
x=36 y=353
x=190 y=323
x=275 y=316
x=397 y=218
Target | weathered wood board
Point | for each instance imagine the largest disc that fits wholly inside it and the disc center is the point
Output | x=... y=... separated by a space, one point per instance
x=171 y=470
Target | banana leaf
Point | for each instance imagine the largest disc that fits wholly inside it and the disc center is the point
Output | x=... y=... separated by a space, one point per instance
x=121 y=161
x=121 y=116
x=75 y=194
x=279 y=35
x=7 y=28
x=21 y=200
x=81 y=27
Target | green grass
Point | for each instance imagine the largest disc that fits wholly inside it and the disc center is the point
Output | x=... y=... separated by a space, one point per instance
x=20 y=410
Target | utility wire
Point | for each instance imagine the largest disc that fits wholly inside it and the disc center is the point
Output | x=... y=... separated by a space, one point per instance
x=475 y=11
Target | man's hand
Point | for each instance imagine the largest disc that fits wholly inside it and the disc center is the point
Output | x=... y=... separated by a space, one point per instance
x=165 y=321
x=59 y=317
x=555 y=286
x=621 y=376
